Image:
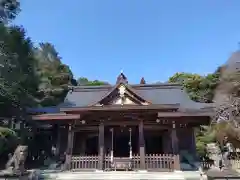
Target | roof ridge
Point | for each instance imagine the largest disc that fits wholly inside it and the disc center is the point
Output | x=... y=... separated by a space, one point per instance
x=73 y=88
x=131 y=85
x=157 y=85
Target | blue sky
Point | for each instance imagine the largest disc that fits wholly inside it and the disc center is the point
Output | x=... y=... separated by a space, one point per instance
x=144 y=38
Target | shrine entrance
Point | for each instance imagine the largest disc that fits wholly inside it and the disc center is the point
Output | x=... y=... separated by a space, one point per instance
x=124 y=140
x=121 y=146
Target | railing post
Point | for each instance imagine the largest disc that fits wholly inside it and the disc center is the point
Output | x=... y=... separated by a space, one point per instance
x=176 y=162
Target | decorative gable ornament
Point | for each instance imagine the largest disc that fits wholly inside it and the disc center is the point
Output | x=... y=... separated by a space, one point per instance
x=121 y=94
x=121 y=78
x=122 y=91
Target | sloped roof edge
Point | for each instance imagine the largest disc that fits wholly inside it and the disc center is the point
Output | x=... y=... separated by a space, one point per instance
x=158 y=85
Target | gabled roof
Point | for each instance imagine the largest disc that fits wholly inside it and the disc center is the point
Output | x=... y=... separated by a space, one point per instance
x=157 y=94
x=115 y=92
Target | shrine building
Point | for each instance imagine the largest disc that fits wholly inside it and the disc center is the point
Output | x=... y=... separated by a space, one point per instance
x=125 y=126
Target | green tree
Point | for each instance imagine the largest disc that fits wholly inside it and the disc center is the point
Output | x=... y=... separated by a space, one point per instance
x=9 y=9
x=18 y=78
x=82 y=81
x=199 y=88
x=55 y=77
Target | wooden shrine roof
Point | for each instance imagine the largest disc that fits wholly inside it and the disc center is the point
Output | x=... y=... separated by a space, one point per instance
x=141 y=97
x=156 y=94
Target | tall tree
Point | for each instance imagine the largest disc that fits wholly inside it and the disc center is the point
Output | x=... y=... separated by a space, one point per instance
x=18 y=79
x=200 y=89
x=8 y=10
x=228 y=108
x=55 y=77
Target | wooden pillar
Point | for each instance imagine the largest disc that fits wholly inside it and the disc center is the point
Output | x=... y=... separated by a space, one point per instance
x=174 y=139
x=175 y=148
x=193 y=146
x=58 y=143
x=141 y=145
x=69 y=147
x=101 y=146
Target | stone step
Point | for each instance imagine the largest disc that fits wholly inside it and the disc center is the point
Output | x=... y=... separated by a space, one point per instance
x=123 y=175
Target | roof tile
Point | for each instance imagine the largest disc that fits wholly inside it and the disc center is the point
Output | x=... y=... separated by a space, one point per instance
x=164 y=93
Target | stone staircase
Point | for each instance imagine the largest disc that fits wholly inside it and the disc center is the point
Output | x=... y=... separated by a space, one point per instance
x=122 y=175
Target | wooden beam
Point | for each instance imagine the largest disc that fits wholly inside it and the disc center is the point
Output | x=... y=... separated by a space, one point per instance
x=150 y=120
x=57 y=116
x=185 y=114
x=122 y=108
x=86 y=128
x=156 y=127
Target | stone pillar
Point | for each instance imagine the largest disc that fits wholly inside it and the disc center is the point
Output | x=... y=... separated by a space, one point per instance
x=141 y=145
x=69 y=147
x=101 y=146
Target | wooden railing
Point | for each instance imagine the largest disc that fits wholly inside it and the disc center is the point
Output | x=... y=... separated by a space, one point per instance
x=162 y=162
x=84 y=162
x=135 y=162
x=235 y=164
x=158 y=162
x=107 y=162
